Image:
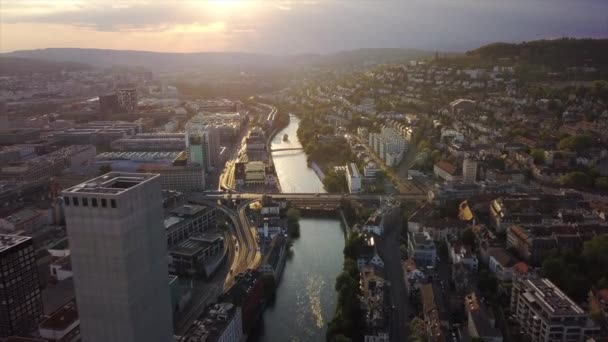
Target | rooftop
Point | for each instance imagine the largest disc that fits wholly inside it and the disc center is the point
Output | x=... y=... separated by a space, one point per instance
x=62 y=318
x=113 y=183
x=550 y=297
x=212 y=325
x=9 y=241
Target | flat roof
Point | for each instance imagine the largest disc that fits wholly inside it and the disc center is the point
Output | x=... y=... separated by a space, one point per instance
x=9 y=241
x=62 y=318
x=113 y=183
x=551 y=297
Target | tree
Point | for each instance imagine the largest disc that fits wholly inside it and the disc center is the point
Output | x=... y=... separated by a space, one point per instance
x=601 y=182
x=576 y=179
x=468 y=237
x=335 y=182
x=538 y=155
x=417 y=329
x=293 y=223
x=487 y=283
x=576 y=142
x=270 y=286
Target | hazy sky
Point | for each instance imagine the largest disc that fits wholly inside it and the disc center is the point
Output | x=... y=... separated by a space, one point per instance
x=281 y=27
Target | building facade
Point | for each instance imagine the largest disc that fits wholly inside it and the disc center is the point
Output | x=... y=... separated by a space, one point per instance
x=118 y=248
x=546 y=314
x=20 y=298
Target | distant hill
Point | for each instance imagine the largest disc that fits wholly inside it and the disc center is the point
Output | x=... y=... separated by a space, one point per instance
x=558 y=53
x=11 y=66
x=181 y=61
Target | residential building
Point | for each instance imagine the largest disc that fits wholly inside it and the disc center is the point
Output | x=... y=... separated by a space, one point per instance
x=434 y=331
x=248 y=294
x=501 y=263
x=447 y=171
x=353 y=178
x=20 y=298
x=480 y=322
x=118 y=248
x=274 y=258
x=546 y=314
x=462 y=254
x=469 y=171
x=375 y=300
x=421 y=248
x=222 y=322
x=462 y=106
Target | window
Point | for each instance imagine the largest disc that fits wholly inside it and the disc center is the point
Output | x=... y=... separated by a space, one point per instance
x=104 y=203
x=94 y=202
x=66 y=200
x=85 y=202
x=113 y=203
x=75 y=201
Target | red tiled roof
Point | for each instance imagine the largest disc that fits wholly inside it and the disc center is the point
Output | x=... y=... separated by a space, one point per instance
x=521 y=268
x=447 y=167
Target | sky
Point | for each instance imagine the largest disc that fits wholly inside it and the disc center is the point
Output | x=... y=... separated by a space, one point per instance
x=291 y=27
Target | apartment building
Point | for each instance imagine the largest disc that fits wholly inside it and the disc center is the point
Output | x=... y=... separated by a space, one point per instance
x=546 y=314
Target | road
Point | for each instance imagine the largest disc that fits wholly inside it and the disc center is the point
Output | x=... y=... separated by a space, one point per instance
x=246 y=253
x=391 y=255
x=214 y=195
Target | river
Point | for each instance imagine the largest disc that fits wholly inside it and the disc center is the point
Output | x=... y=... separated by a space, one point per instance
x=305 y=300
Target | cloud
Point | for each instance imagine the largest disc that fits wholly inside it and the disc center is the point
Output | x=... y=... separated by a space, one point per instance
x=296 y=26
x=120 y=16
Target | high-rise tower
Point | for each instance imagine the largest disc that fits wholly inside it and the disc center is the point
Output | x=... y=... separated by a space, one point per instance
x=118 y=247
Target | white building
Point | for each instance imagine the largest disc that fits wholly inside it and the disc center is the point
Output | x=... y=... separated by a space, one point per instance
x=389 y=145
x=545 y=313
x=353 y=178
x=118 y=253
x=469 y=171
x=370 y=170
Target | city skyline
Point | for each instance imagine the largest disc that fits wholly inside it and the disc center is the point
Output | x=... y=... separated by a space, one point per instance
x=270 y=27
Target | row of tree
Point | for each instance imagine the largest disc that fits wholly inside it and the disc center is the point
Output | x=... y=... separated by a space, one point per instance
x=348 y=321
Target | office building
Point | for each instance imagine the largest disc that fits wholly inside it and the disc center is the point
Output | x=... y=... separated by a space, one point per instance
x=353 y=178
x=186 y=220
x=172 y=166
x=151 y=142
x=203 y=143
x=20 y=299
x=108 y=104
x=18 y=136
x=199 y=255
x=127 y=99
x=118 y=247
x=546 y=314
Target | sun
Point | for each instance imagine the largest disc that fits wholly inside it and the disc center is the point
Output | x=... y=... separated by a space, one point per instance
x=224 y=7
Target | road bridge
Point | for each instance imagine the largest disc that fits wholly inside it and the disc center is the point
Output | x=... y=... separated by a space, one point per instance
x=286 y=149
x=316 y=197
